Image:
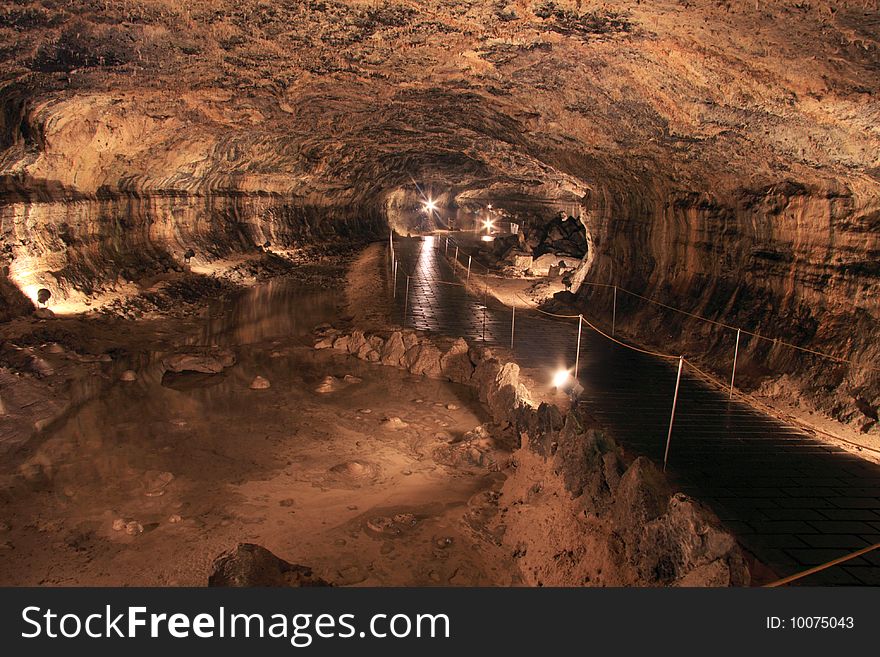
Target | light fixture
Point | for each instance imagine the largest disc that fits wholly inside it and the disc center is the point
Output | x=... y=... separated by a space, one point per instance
x=560 y=378
x=430 y=205
x=487 y=224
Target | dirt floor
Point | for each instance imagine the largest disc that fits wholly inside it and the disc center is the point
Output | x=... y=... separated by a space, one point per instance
x=340 y=465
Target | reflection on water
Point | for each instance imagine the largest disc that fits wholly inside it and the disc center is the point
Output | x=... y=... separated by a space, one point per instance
x=278 y=309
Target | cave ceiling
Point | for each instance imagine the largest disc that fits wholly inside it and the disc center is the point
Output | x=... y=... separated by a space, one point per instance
x=352 y=100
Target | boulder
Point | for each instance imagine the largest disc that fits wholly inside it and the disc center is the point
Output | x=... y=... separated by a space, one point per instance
x=455 y=364
x=44 y=313
x=683 y=544
x=252 y=565
x=542 y=428
x=502 y=395
x=260 y=383
x=541 y=265
x=204 y=363
x=393 y=351
x=580 y=461
x=642 y=495
x=356 y=341
x=519 y=262
x=424 y=359
x=484 y=376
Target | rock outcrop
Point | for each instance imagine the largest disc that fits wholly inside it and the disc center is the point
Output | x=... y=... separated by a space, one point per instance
x=569 y=491
x=250 y=565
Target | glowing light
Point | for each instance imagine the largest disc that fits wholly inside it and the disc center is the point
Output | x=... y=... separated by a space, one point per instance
x=487 y=238
x=488 y=224
x=430 y=205
x=560 y=378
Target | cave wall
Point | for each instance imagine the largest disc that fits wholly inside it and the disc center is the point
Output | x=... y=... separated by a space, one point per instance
x=78 y=247
x=789 y=261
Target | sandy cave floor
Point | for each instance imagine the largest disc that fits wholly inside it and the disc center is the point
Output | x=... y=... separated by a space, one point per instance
x=321 y=479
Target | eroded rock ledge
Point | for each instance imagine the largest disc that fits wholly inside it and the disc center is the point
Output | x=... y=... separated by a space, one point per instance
x=574 y=510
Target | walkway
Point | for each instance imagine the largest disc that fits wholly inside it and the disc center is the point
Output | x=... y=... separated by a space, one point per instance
x=793 y=501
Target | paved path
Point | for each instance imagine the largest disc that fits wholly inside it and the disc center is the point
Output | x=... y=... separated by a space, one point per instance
x=793 y=501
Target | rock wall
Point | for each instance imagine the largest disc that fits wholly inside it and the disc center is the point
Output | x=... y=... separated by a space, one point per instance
x=790 y=261
x=573 y=510
x=81 y=246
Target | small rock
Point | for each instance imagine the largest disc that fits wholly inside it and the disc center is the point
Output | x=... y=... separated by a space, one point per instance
x=118 y=525
x=41 y=424
x=134 y=528
x=328 y=384
x=43 y=313
x=174 y=518
x=128 y=375
x=351 y=575
x=365 y=411
x=350 y=378
x=286 y=502
x=451 y=407
x=406 y=473
x=395 y=423
x=155 y=482
x=260 y=383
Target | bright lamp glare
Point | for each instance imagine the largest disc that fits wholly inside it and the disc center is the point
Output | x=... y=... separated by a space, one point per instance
x=560 y=378
x=488 y=224
x=430 y=205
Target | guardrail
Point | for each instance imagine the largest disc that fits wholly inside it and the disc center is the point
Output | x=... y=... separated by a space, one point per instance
x=682 y=361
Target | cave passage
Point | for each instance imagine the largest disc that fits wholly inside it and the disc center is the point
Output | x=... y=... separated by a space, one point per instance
x=284 y=287
x=772 y=482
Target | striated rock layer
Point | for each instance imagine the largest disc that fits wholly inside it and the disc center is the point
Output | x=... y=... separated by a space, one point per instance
x=723 y=156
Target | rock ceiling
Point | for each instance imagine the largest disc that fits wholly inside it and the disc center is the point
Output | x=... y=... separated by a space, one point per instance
x=351 y=100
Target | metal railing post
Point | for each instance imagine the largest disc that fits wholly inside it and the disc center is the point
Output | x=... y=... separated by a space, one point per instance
x=468 y=279
x=406 y=300
x=485 y=297
x=512 y=325
x=733 y=370
x=394 y=269
x=672 y=415
x=577 y=356
x=614 y=312
x=456 y=257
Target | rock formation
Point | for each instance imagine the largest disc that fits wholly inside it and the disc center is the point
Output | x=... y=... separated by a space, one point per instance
x=570 y=491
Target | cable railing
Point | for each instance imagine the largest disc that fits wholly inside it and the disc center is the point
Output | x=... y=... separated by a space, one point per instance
x=468 y=268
